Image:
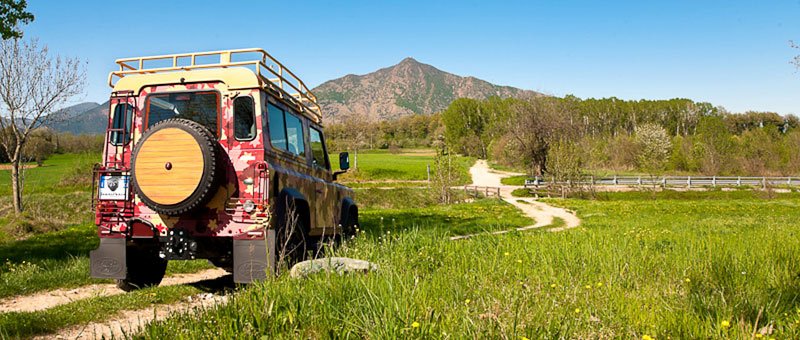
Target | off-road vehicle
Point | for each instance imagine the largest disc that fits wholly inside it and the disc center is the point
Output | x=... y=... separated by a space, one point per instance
x=213 y=155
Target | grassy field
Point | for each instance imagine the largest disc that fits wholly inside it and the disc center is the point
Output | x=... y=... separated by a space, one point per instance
x=703 y=265
x=380 y=165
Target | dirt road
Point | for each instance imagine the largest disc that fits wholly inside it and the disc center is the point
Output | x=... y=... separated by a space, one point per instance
x=542 y=213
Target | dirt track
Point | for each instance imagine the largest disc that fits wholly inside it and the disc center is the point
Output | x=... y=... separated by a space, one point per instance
x=49 y=299
x=542 y=213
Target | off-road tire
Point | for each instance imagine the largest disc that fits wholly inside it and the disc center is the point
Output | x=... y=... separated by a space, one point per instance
x=209 y=147
x=145 y=269
x=349 y=226
x=292 y=242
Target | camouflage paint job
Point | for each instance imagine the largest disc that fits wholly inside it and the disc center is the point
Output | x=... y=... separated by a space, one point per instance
x=268 y=170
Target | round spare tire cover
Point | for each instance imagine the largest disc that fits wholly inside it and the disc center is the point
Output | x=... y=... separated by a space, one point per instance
x=174 y=166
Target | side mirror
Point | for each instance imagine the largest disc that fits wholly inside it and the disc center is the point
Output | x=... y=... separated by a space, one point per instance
x=344 y=165
x=344 y=161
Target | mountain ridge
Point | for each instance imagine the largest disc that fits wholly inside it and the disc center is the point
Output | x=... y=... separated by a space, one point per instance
x=407 y=88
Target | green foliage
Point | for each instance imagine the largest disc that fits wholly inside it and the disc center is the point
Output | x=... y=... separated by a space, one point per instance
x=626 y=273
x=12 y=14
x=654 y=147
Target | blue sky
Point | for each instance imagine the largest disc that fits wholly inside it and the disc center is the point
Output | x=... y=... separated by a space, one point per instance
x=730 y=53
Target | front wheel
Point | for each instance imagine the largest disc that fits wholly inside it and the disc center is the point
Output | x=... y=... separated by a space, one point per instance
x=145 y=269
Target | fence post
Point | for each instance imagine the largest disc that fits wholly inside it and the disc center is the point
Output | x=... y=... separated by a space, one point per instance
x=663 y=182
x=615 y=180
x=739 y=181
x=789 y=181
x=689 y=181
x=591 y=179
x=764 y=183
x=714 y=181
x=639 y=180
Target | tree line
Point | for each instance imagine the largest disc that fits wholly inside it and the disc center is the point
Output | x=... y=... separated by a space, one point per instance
x=611 y=134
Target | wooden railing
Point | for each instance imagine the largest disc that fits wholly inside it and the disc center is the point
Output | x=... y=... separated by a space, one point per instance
x=476 y=191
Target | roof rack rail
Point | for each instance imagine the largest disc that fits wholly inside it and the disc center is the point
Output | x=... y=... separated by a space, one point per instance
x=271 y=73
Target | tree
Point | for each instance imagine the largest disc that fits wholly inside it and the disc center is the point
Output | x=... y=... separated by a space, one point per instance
x=531 y=129
x=654 y=148
x=796 y=60
x=12 y=13
x=34 y=87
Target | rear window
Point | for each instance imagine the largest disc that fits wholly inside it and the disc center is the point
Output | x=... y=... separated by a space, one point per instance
x=201 y=107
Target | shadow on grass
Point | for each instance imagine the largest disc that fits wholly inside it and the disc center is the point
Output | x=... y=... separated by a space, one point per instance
x=60 y=245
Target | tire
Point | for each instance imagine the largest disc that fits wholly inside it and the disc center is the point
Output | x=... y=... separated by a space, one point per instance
x=196 y=172
x=292 y=241
x=350 y=225
x=145 y=269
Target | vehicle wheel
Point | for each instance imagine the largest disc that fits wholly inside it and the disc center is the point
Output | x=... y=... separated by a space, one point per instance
x=349 y=226
x=145 y=269
x=292 y=241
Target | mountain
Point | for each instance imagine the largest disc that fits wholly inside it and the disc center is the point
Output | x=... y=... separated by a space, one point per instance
x=407 y=88
x=84 y=118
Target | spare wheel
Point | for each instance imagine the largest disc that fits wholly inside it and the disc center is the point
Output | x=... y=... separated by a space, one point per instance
x=174 y=166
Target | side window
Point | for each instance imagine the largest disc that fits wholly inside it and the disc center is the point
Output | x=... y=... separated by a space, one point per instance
x=277 y=127
x=121 y=123
x=294 y=135
x=244 y=121
x=318 y=149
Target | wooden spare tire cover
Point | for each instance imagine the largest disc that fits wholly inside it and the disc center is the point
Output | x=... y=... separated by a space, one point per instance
x=174 y=166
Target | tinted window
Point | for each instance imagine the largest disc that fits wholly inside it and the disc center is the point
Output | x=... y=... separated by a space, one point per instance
x=123 y=116
x=277 y=127
x=244 y=120
x=318 y=149
x=294 y=135
x=201 y=107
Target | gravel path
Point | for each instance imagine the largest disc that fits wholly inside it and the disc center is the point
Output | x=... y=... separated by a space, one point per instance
x=542 y=213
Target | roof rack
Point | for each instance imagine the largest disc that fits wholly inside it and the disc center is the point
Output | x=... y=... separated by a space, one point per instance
x=271 y=73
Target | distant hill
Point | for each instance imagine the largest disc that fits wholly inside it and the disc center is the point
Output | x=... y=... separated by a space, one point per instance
x=84 y=118
x=407 y=88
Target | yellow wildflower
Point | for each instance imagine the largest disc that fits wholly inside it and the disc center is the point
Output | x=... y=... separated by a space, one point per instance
x=688 y=280
x=415 y=324
x=467 y=301
x=523 y=338
x=725 y=324
x=553 y=285
x=647 y=337
x=588 y=286
x=759 y=335
x=577 y=310
x=519 y=261
x=599 y=284
x=506 y=253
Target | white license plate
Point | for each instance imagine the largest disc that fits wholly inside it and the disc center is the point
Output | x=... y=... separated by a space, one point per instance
x=113 y=187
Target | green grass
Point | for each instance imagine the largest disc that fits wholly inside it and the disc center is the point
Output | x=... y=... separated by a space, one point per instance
x=667 y=268
x=58 y=260
x=378 y=165
x=514 y=180
x=401 y=198
x=522 y=192
x=59 y=174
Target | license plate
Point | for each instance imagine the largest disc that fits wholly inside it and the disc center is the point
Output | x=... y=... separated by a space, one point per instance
x=113 y=187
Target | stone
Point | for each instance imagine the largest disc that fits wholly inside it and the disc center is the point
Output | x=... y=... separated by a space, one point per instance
x=338 y=265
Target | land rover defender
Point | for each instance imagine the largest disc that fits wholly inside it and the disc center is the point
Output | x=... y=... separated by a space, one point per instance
x=213 y=155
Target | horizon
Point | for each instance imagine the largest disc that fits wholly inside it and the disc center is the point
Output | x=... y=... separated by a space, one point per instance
x=731 y=54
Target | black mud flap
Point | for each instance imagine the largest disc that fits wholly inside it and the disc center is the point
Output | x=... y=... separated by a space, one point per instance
x=252 y=260
x=108 y=260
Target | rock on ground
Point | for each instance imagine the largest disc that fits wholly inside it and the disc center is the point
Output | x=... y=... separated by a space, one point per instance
x=339 y=265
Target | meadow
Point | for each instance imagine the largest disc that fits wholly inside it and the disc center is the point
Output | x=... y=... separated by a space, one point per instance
x=718 y=264
x=409 y=165
x=708 y=265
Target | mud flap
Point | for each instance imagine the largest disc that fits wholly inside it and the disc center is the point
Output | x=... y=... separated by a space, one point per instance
x=252 y=260
x=108 y=260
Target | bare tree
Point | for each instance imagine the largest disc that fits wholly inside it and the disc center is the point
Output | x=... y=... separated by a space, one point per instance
x=34 y=87
x=796 y=60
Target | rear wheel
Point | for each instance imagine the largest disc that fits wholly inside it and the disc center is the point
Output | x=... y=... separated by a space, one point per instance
x=349 y=226
x=292 y=241
x=145 y=269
